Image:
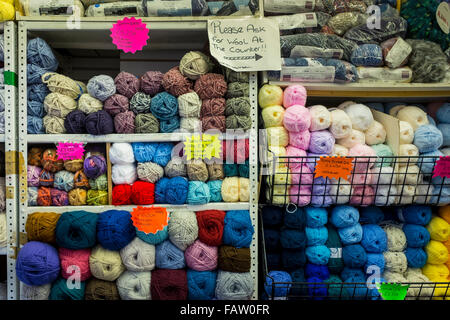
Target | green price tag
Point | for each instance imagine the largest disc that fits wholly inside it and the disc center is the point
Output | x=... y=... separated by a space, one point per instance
x=10 y=78
x=393 y=291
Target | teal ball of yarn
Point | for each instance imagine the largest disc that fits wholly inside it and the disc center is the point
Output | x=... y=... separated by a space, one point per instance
x=160 y=190
x=316 y=236
x=316 y=217
x=163 y=154
x=244 y=169
x=382 y=151
x=428 y=138
x=198 y=193
x=375 y=259
x=238 y=229
x=357 y=288
x=154 y=238
x=335 y=263
x=344 y=216
x=201 y=284
x=295 y=219
x=298 y=275
x=318 y=254
x=215 y=190
x=443 y=113
x=354 y=256
x=60 y=291
x=143 y=152
x=164 y=106
x=334 y=288
x=77 y=230
x=168 y=126
x=230 y=169
x=177 y=190
x=351 y=235
x=351 y=273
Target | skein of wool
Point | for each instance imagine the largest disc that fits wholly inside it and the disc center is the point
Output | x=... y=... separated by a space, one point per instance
x=177 y=190
x=61 y=291
x=175 y=83
x=273 y=116
x=183 y=229
x=143 y=193
x=189 y=105
x=234 y=286
x=427 y=61
x=374 y=238
x=76 y=230
x=360 y=116
x=270 y=95
x=151 y=82
x=101 y=290
x=437 y=252
x=201 y=284
x=169 y=256
x=116 y=104
x=64 y=180
x=213 y=107
x=140 y=103
x=355 y=137
x=230 y=189
x=54 y=125
x=127 y=84
x=297 y=119
x=138 y=256
x=320 y=118
x=125 y=122
x=215 y=190
x=88 y=104
x=115 y=229
x=41 y=226
x=210 y=85
x=197 y=170
x=210 y=226
x=198 y=193
x=62 y=84
x=238 y=89
x=201 y=257
x=395 y=261
x=39 y=53
x=33 y=174
x=416 y=257
x=375 y=134
x=153 y=238
x=59 y=105
x=101 y=87
x=396 y=239
x=319 y=255
x=351 y=235
x=406 y=132
x=105 y=264
x=133 y=285
x=195 y=64
x=341 y=124
x=239 y=106
x=74 y=165
x=294 y=95
x=354 y=256
x=35 y=292
x=169 y=285
x=121 y=194
x=344 y=216
x=94 y=166
x=413 y=115
x=80 y=180
x=238 y=229
x=99 y=123
x=121 y=153
x=234 y=259
x=75 y=261
x=416 y=236
x=149 y=171
x=439 y=229
x=428 y=138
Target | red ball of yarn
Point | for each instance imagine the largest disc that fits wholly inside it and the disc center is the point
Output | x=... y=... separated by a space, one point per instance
x=213 y=107
x=214 y=122
x=143 y=192
x=75 y=261
x=175 y=83
x=169 y=284
x=121 y=194
x=239 y=147
x=44 y=197
x=211 y=85
x=210 y=226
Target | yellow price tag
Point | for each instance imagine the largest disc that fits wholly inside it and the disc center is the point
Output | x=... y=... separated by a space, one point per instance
x=206 y=146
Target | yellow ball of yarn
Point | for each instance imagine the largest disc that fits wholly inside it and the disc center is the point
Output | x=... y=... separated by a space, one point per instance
x=435 y=271
x=282 y=176
x=273 y=116
x=444 y=213
x=244 y=189
x=105 y=264
x=7 y=11
x=415 y=116
x=270 y=95
x=437 y=252
x=408 y=150
x=275 y=151
x=340 y=151
x=279 y=195
x=277 y=136
x=439 y=229
x=230 y=189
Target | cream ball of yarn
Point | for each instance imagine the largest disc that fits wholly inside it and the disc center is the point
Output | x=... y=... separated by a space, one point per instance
x=35 y=292
x=345 y=104
x=121 y=153
x=123 y=174
x=105 y=264
x=277 y=136
x=383 y=176
x=341 y=125
x=415 y=116
x=320 y=118
x=274 y=153
x=134 y=285
x=3 y=230
x=149 y=171
x=339 y=150
x=396 y=239
x=409 y=175
x=395 y=261
x=407 y=150
x=355 y=137
x=406 y=194
x=273 y=116
x=394 y=110
x=197 y=170
x=244 y=189
x=360 y=116
x=424 y=291
x=89 y=104
x=59 y=105
x=375 y=134
x=183 y=228
x=138 y=255
x=394 y=277
x=278 y=194
x=424 y=193
x=406 y=132
x=270 y=95
x=340 y=191
x=385 y=195
x=230 y=189
x=175 y=168
x=446 y=151
x=189 y=105
x=54 y=125
x=194 y=64
x=191 y=124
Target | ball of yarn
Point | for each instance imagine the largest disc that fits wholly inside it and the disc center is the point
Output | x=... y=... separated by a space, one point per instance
x=115 y=229
x=320 y=118
x=360 y=116
x=210 y=226
x=61 y=291
x=153 y=238
x=151 y=82
x=354 y=256
x=105 y=264
x=201 y=257
x=198 y=193
x=125 y=122
x=77 y=197
x=75 y=261
x=344 y=216
x=318 y=271
x=213 y=107
x=416 y=236
x=428 y=138
x=121 y=194
x=278 y=136
x=64 y=180
x=316 y=236
x=238 y=89
x=88 y=104
x=41 y=226
x=271 y=240
x=214 y=123
x=163 y=154
x=149 y=171
x=230 y=189
x=293 y=258
x=134 y=285
x=76 y=230
x=35 y=292
x=335 y=262
x=341 y=124
x=101 y=87
x=194 y=64
x=169 y=285
x=238 y=122
x=234 y=286
x=201 y=284
x=395 y=261
x=445 y=129
x=168 y=256
x=101 y=290
x=175 y=168
x=375 y=134
x=183 y=229
x=74 y=165
x=59 y=198
x=59 y=105
x=175 y=83
x=116 y=104
x=416 y=257
x=363 y=196
x=138 y=256
x=270 y=95
x=294 y=95
x=300 y=196
x=396 y=239
x=273 y=116
x=300 y=140
x=351 y=235
x=140 y=103
x=127 y=84
x=35 y=125
x=32 y=194
x=54 y=125
x=295 y=219
x=35 y=156
x=406 y=132
x=40 y=54
x=143 y=152
x=215 y=171
x=215 y=190
x=210 y=85
x=351 y=272
x=321 y=141
x=340 y=191
x=383 y=152
x=189 y=105
x=238 y=229
x=197 y=170
x=413 y=115
x=99 y=123
x=371 y=215
x=297 y=119
x=439 y=229
x=375 y=259
x=191 y=124
x=275 y=284
x=177 y=190
x=374 y=238
x=37 y=264
x=355 y=137
x=33 y=175
x=121 y=153
x=437 y=252
x=44 y=197
x=94 y=166
x=239 y=106
x=123 y=174
x=318 y=254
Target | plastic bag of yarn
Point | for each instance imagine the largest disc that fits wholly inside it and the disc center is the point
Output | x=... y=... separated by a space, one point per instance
x=202 y=257
x=416 y=257
x=354 y=256
x=138 y=256
x=76 y=230
x=201 y=284
x=427 y=61
x=437 y=252
x=40 y=53
x=176 y=191
x=134 y=285
x=367 y=55
x=351 y=235
x=298 y=23
x=396 y=52
x=318 y=254
x=99 y=123
x=61 y=291
x=105 y=264
x=374 y=238
x=238 y=229
x=115 y=229
x=168 y=256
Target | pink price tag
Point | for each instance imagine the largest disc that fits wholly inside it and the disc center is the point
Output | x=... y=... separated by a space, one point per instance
x=442 y=167
x=130 y=34
x=70 y=150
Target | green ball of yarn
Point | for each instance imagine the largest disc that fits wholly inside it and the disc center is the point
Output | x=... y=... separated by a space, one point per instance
x=97 y=198
x=60 y=290
x=238 y=106
x=101 y=183
x=146 y=123
x=383 y=150
x=238 y=122
x=335 y=289
x=230 y=169
x=244 y=169
x=233 y=76
x=140 y=103
x=238 y=89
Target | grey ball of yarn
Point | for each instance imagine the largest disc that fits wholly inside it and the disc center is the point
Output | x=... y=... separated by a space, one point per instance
x=134 y=285
x=396 y=239
x=101 y=87
x=233 y=76
x=175 y=168
x=54 y=125
x=395 y=261
x=234 y=286
x=238 y=89
x=427 y=61
x=194 y=64
x=238 y=106
x=215 y=171
x=189 y=105
x=183 y=228
x=140 y=103
x=35 y=292
x=138 y=255
x=238 y=122
x=146 y=123
x=197 y=170
x=191 y=124
x=149 y=171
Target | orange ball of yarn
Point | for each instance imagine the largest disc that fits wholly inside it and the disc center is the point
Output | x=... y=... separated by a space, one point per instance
x=77 y=197
x=444 y=213
x=175 y=83
x=35 y=156
x=80 y=180
x=44 y=197
x=41 y=226
x=50 y=161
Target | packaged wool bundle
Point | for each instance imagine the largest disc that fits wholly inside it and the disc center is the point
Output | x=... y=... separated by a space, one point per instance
x=367 y=55
x=396 y=52
x=427 y=60
x=234 y=286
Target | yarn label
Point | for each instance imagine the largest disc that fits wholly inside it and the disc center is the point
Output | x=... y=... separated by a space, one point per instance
x=308 y=74
x=336 y=253
x=442 y=168
x=245 y=45
x=393 y=291
x=398 y=53
x=316 y=52
x=334 y=167
x=150 y=219
x=443 y=17
x=130 y=34
x=70 y=150
x=206 y=146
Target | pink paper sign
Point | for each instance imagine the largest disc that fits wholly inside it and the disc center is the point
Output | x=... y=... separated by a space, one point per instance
x=130 y=34
x=442 y=167
x=70 y=150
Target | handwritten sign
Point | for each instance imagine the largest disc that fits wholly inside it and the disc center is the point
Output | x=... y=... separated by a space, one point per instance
x=150 y=219
x=245 y=44
x=443 y=17
x=130 y=34
x=206 y=146
x=393 y=291
x=442 y=167
x=70 y=150
x=333 y=167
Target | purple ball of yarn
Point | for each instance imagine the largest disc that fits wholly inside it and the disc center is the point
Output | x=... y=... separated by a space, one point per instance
x=151 y=82
x=33 y=174
x=321 y=201
x=94 y=166
x=115 y=104
x=59 y=197
x=321 y=142
x=75 y=122
x=46 y=178
x=321 y=186
x=312 y=159
x=127 y=84
x=99 y=123
x=124 y=122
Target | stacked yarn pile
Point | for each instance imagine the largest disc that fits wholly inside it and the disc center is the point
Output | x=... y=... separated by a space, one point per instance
x=2 y=86
x=54 y=182
x=199 y=256
x=237 y=108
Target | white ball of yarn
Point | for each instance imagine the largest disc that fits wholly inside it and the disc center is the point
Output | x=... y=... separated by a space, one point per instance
x=320 y=118
x=3 y=230
x=59 y=105
x=189 y=105
x=396 y=239
x=424 y=291
x=340 y=191
x=175 y=168
x=423 y=193
x=149 y=171
x=273 y=116
x=394 y=277
x=138 y=255
x=339 y=150
x=89 y=104
x=360 y=116
x=244 y=189
x=123 y=174
x=407 y=150
x=183 y=228
x=105 y=264
x=409 y=175
x=415 y=116
x=230 y=189
x=134 y=285
x=121 y=153
x=234 y=286
x=383 y=176
x=394 y=110
x=345 y=104
x=341 y=125
x=395 y=261
x=406 y=132
x=385 y=195
x=277 y=136
x=355 y=137
x=375 y=134
x=54 y=125
x=35 y=292
x=406 y=194
x=191 y=124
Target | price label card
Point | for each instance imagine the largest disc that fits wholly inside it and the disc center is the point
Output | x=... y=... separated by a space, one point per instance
x=333 y=167
x=150 y=219
x=393 y=291
x=442 y=167
x=204 y=146
x=130 y=34
x=70 y=150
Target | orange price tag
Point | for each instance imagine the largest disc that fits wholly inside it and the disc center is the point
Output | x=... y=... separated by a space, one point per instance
x=150 y=219
x=333 y=167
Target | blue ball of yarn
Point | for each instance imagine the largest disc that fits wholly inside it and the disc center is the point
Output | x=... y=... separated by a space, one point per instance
x=198 y=193
x=271 y=239
x=367 y=55
x=170 y=125
x=426 y=163
x=318 y=254
x=354 y=256
x=292 y=238
x=273 y=260
x=201 y=284
x=37 y=264
x=431 y=120
x=344 y=216
x=416 y=236
x=153 y=238
x=163 y=154
x=445 y=129
x=101 y=87
x=357 y=288
x=37 y=92
x=374 y=238
x=293 y=259
x=415 y=214
x=34 y=74
x=443 y=113
x=230 y=169
x=372 y=215
x=428 y=138
x=272 y=216
x=35 y=125
x=295 y=219
x=238 y=229
x=76 y=230
x=61 y=291
x=316 y=236
x=376 y=106
x=160 y=190
x=40 y=53
x=115 y=229
x=416 y=257
x=164 y=106
x=276 y=283
x=169 y=256
x=375 y=259
x=177 y=190
x=351 y=235
x=35 y=109
x=316 y=289
x=244 y=169
x=143 y=152
x=215 y=190
x=298 y=275
x=317 y=271
x=351 y=273
x=316 y=217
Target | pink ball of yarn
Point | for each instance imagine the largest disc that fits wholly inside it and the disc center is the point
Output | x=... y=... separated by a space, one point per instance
x=362 y=150
x=75 y=261
x=297 y=119
x=33 y=174
x=127 y=84
x=124 y=122
x=151 y=82
x=300 y=195
x=300 y=139
x=115 y=104
x=297 y=155
x=175 y=83
x=302 y=175
x=201 y=257
x=433 y=107
x=362 y=196
x=360 y=179
x=294 y=95
x=211 y=85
